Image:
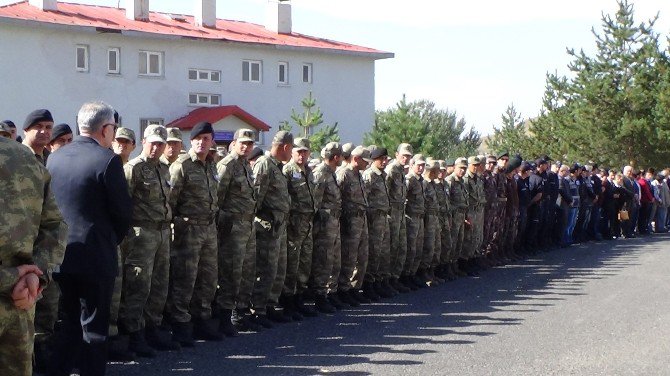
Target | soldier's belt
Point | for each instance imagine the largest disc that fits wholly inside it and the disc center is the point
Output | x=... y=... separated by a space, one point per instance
x=240 y=216
x=195 y=221
x=502 y=199
x=152 y=225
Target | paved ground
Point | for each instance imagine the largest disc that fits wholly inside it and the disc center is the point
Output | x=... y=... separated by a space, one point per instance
x=596 y=309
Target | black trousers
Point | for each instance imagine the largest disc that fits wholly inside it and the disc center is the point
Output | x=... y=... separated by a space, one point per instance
x=80 y=343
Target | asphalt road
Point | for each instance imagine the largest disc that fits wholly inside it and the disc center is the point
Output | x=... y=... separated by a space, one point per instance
x=595 y=309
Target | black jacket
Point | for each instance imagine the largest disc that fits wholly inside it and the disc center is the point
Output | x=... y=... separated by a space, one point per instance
x=92 y=194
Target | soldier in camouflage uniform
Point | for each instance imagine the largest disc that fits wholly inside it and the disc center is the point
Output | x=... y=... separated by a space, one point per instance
x=472 y=183
x=441 y=257
x=512 y=209
x=432 y=240
x=299 y=231
x=272 y=207
x=124 y=143
x=237 y=237
x=146 y=254
x=326 y=254
x=354 y=228
x=491 y=208
x=376 y=282
x=458 y=197
x=193 y=257
x=499 y=229
x=173 y=147
x=415 y=208
x=397 y=188
x=33 y=243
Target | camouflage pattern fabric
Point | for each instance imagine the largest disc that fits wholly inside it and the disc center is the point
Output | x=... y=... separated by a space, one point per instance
x=354 y=229
x=379 y=248
x=415 y=209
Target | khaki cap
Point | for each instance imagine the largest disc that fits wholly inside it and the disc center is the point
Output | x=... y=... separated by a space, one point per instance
x=330 y=150
x=301 y=143
x=244 y=135
x=4 y=128
x=126 y=133
x=282 y=137
x=347 y=149
x=360 y=151
x=474 y=160
x=443 y=164
x=461 y=162
x=419 y=159
x=405 y=149
x=155 y=133
x=174 y=134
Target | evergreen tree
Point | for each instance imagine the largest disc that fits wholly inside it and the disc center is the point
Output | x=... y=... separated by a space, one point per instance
x=512 y=135
x=309 y=120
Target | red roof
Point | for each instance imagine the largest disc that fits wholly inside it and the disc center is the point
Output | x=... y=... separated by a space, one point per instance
x=215 y=114
x=114 y=19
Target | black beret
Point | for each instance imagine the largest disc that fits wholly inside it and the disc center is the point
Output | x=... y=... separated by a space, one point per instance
x=525 y=166
x=200 y=128
x=513 y=163
x=255 y=153
x=10 y=123
x=540 y=161
x=378 y=153
x=60 y=130
x=37 y=116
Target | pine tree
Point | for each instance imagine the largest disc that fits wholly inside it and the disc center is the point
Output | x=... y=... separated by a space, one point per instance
x=309 y=120
x=512 y=135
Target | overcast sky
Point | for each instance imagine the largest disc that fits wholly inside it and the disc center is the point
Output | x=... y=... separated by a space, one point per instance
x=475 y=57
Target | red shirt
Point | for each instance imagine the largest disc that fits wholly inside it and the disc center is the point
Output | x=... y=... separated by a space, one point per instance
x=646 y=197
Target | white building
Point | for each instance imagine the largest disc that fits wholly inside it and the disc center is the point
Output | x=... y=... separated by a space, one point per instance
x=157 y=67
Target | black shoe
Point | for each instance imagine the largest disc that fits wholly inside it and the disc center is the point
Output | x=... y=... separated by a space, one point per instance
x=418 y=282
x=263 y=321
x=335 y=301
x=409 y=283
x=323 y=305
x=399 y=286
x=386 y=284
x=160 y=340
x=117 y=349
x=226 y=326
x=137 y=343
x=382 y=291
x=42 y=354
x=305 y=310
x=369 y=292
x=243 y=321
x=277 y=316
x=347 y=298
x=288 y=309
x=359 y=296
x=206 y=330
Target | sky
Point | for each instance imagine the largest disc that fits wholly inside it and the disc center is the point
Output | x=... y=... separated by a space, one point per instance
x=473 y=57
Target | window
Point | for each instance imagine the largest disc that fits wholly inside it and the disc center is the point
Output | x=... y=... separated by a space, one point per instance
x=82 y=58
x=145 y=122
x=251 y=71
x=204 y=75
x=113 y=59
x=202 y=99
x=283 y=73
x=151 y=63
x=307 y=73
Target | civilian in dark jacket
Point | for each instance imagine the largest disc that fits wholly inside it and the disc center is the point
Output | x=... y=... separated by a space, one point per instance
x=620 y=197
x=92 y=193
x=564 y=203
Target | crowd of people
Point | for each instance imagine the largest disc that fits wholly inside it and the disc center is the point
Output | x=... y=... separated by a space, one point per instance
x=124 y=257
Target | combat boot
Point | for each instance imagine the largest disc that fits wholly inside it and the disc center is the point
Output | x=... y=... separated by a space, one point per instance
x=386 y=284
x=263 y=320
x=347 y=298
x=369 y=292
x=418 y=281
x=182 y=332
x=226 y=326
x=407 y=281
x=399 y=286
x=118 y=349
x=323 y=305
x=159 y=339
x=334 y=300
x=242 y=319
x=277 y=316
x=289 y=309
x=359 y=296
x=305 y=310
x=137 y=343
x=382 y=290
x=206 y=330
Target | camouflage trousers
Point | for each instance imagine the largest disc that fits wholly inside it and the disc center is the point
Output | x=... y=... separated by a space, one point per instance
x=326 y=235
x=354 y=230
x=237 y=247
x=146 y=268
x=490 y=220
x=398 y=239
x=299 y=246
x=193 y=271
x=17 y=330
x=472 y=235
x=457 y=233
x=379 y=246
x=414 y=242
x=116 y=293
x=431 y=242
x=501 y=228
x=446 y=255
x=270 y=263
x=510 y=230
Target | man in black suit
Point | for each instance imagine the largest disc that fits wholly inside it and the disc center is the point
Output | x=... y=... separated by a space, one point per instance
x=92 y=193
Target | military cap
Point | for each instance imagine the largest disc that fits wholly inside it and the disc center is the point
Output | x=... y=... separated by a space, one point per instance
x=174 y=134
x=491 y=157
x=546 y=158
x=377 y=152
x=514 y=163
x=502 y=155
x=461 y=162
x=255 y=153
x=125 y=133
x=432 y=164
x=201 y=128
x=443 y=164
x=540 y=161
x=5 y=129
x=346 y=149
x=405 y=149
x=10 y=123
x=474 y=160
x=37 y=116
x=60 y=130
x=525 y=166
x=301 y=143
x=450 y=162
x=244 y=135
x=155 y=133
x=360 y=151
x=419 y=159
x=330 y=150
x=282 y=138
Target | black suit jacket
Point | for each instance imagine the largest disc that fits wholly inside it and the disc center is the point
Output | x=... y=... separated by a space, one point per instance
x=92 y=193
x=564 y=192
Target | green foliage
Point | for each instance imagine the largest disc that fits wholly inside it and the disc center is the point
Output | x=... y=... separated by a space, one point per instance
x=308 y=121
x=431 y=131
x=512 y=136
x=615 y=106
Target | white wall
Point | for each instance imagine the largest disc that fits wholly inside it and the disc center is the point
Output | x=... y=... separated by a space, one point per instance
x=38 y=70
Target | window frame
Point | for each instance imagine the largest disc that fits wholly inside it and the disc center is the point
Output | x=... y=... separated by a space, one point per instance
x=310 y=73
x=85 y=48
x=161 y=63
x=285 y=65
x=117 y=50
x=249 y=70
x=145 y=122
x=209 y=99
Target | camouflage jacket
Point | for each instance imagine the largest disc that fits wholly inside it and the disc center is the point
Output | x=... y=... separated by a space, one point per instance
x=457 y=194
x=149 y=186
x=374 y=181
x=193 y=187
x=354 y=199
x=235 y=191
x=416 y=203
x=300 y=188
x=395 y=181
x=271 y=186
x=442 y=198
x=430 y=197
x=326 y=192
x=475 y=189
x=490 y=189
